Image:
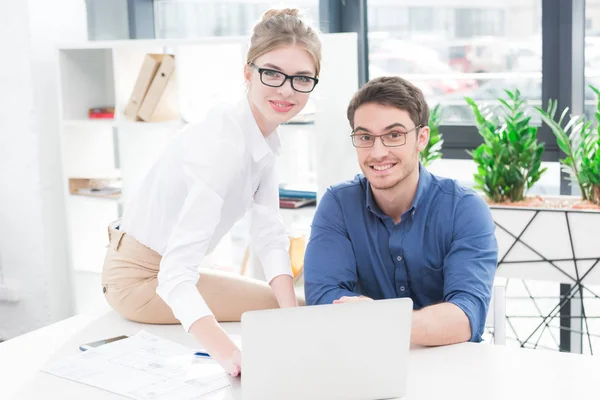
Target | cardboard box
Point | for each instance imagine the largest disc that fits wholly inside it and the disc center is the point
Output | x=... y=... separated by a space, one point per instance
x=145 y=77
x=158 y=103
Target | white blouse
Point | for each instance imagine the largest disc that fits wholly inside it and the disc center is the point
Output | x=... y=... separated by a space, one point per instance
x=209 y=176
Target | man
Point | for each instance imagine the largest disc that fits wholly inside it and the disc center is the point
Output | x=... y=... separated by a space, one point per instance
x=399 y=231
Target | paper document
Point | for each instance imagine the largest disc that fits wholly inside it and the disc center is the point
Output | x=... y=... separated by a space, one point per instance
x=144 y=367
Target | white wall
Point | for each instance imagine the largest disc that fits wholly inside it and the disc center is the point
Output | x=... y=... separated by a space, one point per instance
x=33 y=245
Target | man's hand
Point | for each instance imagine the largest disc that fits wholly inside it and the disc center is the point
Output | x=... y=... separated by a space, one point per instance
x=351 y=299
x=440 y=325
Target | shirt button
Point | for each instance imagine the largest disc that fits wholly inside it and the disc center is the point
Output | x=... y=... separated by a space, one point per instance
x=402 y=288
x=399 y=258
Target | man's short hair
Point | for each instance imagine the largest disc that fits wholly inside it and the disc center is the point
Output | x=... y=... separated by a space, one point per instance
x=392 y=91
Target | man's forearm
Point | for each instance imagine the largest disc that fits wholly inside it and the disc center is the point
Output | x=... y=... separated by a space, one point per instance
x=326 y=296
x=440 y=325
x=283 y=287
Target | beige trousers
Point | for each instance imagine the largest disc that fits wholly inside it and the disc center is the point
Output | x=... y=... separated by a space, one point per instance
x=129 y=281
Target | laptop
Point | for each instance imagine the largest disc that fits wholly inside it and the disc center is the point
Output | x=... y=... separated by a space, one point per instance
x=338 y=351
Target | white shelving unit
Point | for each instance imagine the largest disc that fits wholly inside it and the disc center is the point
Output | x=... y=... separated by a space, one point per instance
x=94 y=74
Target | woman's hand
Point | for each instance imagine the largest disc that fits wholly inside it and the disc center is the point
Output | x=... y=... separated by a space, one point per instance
x=283 y=287
x=232 y=364
x=218 y=344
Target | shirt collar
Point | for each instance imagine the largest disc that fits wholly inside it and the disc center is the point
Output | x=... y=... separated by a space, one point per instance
x=422 y=189
x=259 y=145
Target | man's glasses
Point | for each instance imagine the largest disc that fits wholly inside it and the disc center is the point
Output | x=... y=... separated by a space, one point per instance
x=273 y=78
x=392 y=139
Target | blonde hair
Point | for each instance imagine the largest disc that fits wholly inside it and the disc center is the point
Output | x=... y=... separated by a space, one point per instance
x=280 y=27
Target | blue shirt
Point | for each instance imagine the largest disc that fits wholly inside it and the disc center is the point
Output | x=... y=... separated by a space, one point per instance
x=443 y=250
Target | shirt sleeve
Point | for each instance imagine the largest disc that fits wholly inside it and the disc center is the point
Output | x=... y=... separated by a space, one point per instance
x=329 y=262
x=269 y=238
x=210 y=165
x=470 y=265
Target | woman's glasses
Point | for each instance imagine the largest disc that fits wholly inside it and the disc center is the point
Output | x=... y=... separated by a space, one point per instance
x=273 y=78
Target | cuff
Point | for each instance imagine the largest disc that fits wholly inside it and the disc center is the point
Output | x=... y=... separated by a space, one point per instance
x=187 y=304
x=275 y=262
x=475 y=320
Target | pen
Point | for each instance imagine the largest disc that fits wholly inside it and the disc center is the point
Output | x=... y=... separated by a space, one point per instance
x=201 y=354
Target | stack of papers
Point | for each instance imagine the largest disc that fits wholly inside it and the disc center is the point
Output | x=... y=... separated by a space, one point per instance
x=144 y=367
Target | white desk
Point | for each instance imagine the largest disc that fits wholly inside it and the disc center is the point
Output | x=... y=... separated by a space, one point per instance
x=465 y=371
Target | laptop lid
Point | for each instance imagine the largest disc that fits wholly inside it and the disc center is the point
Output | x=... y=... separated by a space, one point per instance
x=339 y=351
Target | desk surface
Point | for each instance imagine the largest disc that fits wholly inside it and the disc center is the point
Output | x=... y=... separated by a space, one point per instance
x=464 y=371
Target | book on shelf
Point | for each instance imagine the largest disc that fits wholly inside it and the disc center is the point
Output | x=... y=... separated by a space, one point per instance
x=287 y=202
x=104 y=192
x=94 y=187
x=104 y=112
x=297 y=192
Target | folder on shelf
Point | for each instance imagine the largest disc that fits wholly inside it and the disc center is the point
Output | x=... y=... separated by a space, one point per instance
x=142 y=84
x=157 y=90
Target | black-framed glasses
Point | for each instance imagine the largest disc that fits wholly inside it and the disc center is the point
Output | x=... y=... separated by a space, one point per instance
x=274 y=78
x=396 y=138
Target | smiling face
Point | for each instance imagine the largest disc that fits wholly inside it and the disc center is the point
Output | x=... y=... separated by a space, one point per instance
x=275 y=105
x=387 y=167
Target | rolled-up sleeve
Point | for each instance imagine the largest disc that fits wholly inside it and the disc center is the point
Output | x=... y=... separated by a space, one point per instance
x=329 y=262
x=470 y=265
x=268 y=234
x=195 y=226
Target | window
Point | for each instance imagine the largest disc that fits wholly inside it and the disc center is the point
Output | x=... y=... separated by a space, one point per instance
x=421 y=19
x=592 y=55
x=458 y=51
x=479 y=22
x=200 y=18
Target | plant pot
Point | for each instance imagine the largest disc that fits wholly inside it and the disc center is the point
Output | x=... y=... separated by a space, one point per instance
x=550 y=244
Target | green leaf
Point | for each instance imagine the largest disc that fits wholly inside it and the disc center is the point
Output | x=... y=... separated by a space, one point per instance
x=433 y=150
x=564 y=145
x=509 y=160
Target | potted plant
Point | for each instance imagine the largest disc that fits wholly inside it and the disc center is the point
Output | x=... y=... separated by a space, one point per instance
x=509 y=159
x=580 y=141
x=540 y=238
x=433 y=151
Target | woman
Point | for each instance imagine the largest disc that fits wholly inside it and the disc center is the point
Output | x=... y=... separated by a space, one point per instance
x=206 y=180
